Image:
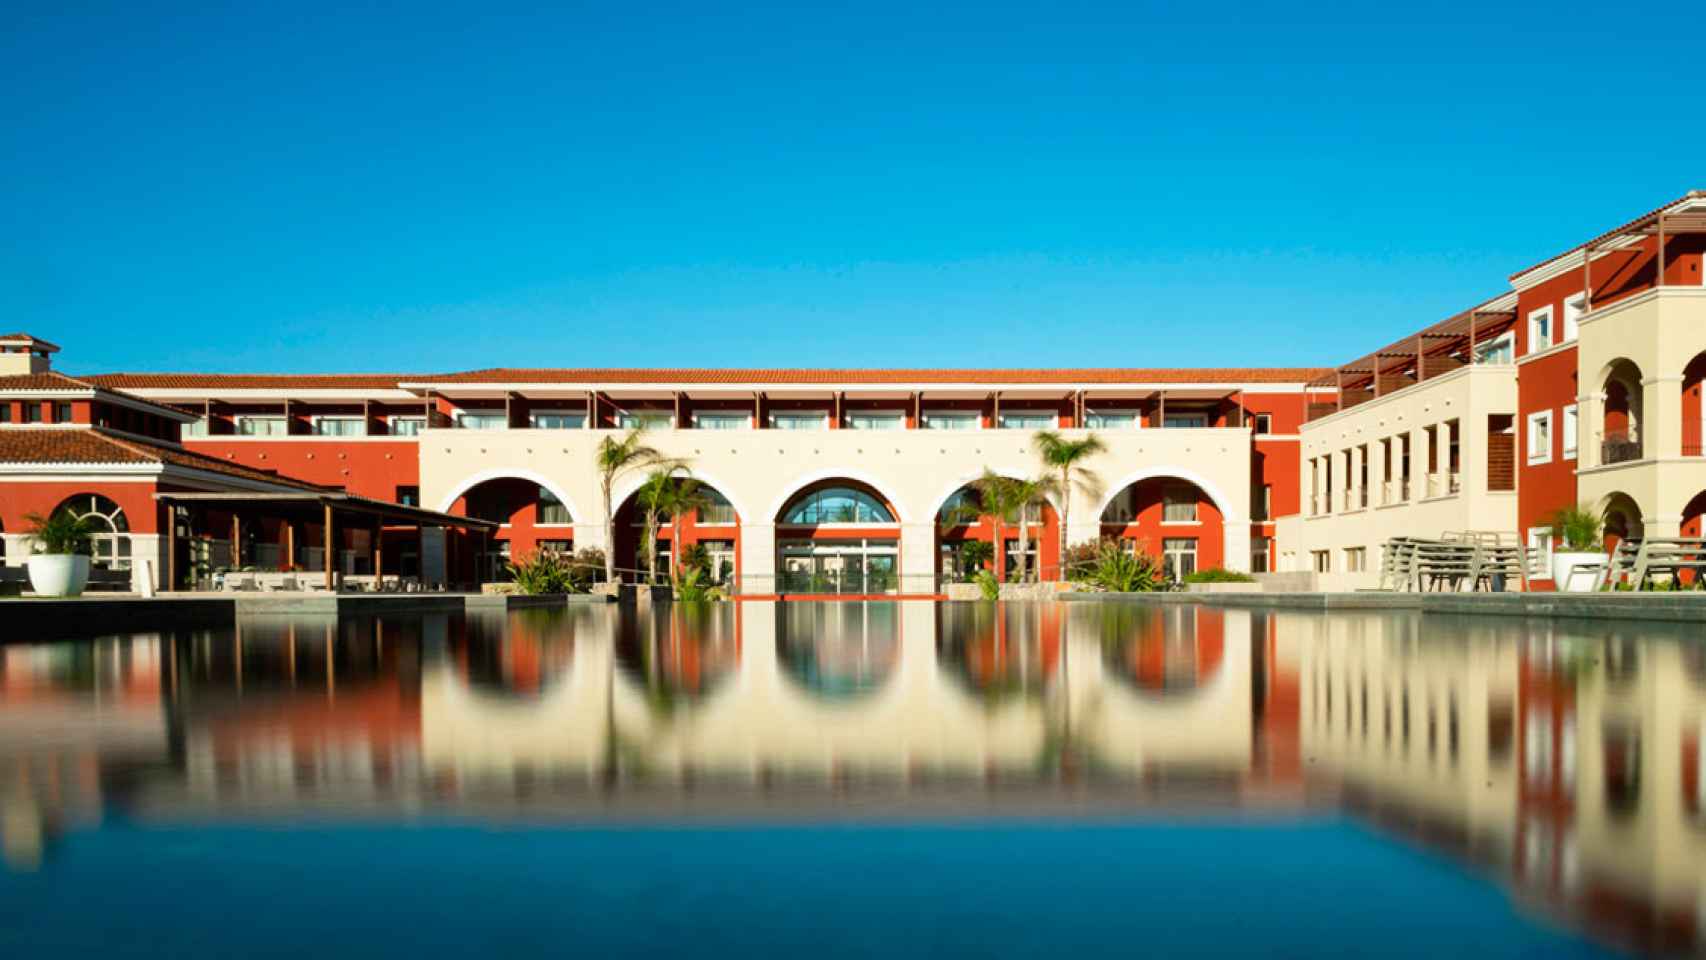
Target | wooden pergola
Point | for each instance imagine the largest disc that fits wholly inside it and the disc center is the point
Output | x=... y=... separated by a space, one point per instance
x=310 y=506
x=1438 y=349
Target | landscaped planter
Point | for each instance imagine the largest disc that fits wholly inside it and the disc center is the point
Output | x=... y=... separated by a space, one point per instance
x=59 y=574
x=1582 y=581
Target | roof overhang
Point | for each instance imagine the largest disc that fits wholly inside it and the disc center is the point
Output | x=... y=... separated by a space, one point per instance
x=345 y=502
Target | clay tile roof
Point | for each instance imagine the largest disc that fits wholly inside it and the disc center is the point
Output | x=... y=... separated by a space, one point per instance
x=33 y=341
x=46 y=380
x=249 y=381
x=60 y=447
x=883 y=376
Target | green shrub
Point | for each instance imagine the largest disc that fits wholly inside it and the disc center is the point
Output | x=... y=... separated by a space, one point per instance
x=542 y=572
x=62 y=533
x=988 y=585
x=1118 y=570
x=694 y=586
x=1218 y=575
x=1577 y=529
x=1081 y=559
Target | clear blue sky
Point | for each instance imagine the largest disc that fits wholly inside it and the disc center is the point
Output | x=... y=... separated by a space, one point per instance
x=721 y=184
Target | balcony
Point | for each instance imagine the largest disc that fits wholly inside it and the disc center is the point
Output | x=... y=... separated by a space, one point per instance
x=1619 y=448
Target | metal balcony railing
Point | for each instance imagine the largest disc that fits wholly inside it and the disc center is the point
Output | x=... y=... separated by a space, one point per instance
x=1619 y=448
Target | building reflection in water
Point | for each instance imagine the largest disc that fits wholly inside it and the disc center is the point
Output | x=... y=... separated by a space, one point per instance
x=1565 y=757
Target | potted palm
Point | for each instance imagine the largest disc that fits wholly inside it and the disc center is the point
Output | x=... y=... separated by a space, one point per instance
x=1576 y=540
x=60 y=565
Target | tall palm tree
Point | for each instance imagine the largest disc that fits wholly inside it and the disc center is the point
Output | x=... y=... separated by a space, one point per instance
x=1066 y=456
x=653 y=497
x=683 y=496
x=613 y=459
x=1012 y=496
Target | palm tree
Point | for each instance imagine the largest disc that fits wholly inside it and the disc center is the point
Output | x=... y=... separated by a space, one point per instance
x=1002 y=497
x=1059 y=453
x=683 y=496
x=615 y=458
x=653 y=497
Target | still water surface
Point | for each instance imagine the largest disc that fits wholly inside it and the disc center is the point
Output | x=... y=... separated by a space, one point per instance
x=857 y=779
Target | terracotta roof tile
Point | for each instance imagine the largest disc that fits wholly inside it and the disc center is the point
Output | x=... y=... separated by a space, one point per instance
x=47 y=380
x=249 y=381
x=1607 y=235
x=53 y=447
x=787 y=376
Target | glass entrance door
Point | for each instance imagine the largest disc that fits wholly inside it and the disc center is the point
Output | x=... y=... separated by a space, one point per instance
x=841 y=567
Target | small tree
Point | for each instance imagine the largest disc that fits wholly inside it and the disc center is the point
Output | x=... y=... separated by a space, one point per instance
x=686 y=495
x=1066 y=457
x=613 y=458
x=1003 y=497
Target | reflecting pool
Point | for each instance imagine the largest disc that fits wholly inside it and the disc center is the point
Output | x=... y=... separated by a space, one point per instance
x=850 y=779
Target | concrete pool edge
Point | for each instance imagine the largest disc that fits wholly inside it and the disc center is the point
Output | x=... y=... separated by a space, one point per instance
x=1683 y=607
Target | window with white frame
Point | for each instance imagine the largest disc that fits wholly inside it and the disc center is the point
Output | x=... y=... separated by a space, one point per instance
x=1356 y=559
x=952 y=420
x=1540 y=541
x=339 y=426
x=1569 y=431
x=1262 y=423
x=800 y=420
x=1179 y=557
x=876 y=420
x=724 y=420
x=1028 y=420
x=1179 y=504
x=196 y=429
x=1259 y=551
x=556 y=419
x=1500 y=349
x=1574 y=307
x=1112 y=419
x=1540 y=329
x=645 y=420
x=407 y=426
x=1540 y=437
x=252 y=426
x=468 y=420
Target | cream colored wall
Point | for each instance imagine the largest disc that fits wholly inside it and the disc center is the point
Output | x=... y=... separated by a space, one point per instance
x=1660 y=332
x=759 y=471
x=1468 y=395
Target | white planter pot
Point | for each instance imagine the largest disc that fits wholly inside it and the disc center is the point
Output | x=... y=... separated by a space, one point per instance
x=1582 y=581
x=58 y=574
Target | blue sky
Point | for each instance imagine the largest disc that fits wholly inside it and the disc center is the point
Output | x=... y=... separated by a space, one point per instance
x=412 y=188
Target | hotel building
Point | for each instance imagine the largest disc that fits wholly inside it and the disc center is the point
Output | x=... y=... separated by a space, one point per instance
x=1580 y=384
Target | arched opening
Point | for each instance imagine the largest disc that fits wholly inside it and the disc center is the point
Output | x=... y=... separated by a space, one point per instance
x=1169 y=518
x=1622 y=519
x=838 y=536
x=1620 y=423
x=838 y=651
x=706 y=534
x=968 y=539
x=110 y=529
x=533 y=518
x=1694 y=407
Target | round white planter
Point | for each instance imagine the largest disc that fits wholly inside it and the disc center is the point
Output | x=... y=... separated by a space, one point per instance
x=58 y=574
x=1582 y=581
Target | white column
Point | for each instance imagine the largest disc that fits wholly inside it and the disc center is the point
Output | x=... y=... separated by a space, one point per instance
x=758 y=557
x=1661 y=417
x=1418 y=462
x=918 y=557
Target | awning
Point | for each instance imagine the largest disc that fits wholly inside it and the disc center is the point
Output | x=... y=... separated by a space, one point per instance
x=337 y=502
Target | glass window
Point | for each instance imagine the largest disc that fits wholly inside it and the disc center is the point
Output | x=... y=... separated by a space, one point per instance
x=409 y=496
x=340 y=427
x=407 y=426
x=32 y=412
x=61 y=412
x=1177 y=421
x=721 y=421
x=552 y=510
x=805 y=420
x=1259 y=548
x=876 y=420
x=556 y=420
x=1498 y=350
x=1111 y=419
x=716 y=509
x=1179 y=505
x=1570 y=432
x=1029 y=421
x=5 y=412
x=837 y=505
x=1263 y=423
x=1574 y=307
x=1179 y=556
x=952 y=421
x=645 y=419
x=481 y=421
x=1540 y=330
x=110 y=534
x=262 y=426
x=196 y=429
x=1540 y=437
